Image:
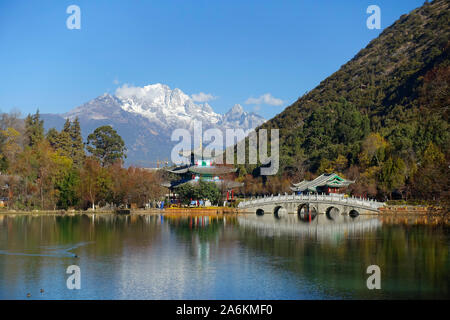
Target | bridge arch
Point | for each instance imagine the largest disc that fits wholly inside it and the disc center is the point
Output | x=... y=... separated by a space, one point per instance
x=353 y=213
x=332 y=213
x=306 y=212
x=260 y=212
x=279 y=212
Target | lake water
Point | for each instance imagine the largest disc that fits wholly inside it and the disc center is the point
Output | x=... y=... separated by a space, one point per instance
x=228 y=257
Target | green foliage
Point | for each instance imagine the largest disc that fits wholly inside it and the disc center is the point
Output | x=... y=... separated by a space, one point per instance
x=392 y=175
x=52 y=137
x=34 y=129
x=68 y=190
x=68 y=142
x=104 y=183
x=334 y=130
x=202 y=190
x=60 y=141
x=432 y=176
x=78 y=154
x=106 y=145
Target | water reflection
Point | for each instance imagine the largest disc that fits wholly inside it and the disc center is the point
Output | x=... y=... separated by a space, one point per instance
x=50 y=251
x=310 y=226
x=333 y=254
x=223 y=257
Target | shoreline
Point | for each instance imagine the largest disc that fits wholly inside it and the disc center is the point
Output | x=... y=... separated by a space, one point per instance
x=398 y=210
x=197 y=211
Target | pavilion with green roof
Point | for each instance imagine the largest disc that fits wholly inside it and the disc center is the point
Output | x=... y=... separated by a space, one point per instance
x=326 y=183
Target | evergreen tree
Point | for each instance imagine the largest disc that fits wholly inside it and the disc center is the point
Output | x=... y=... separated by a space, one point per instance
x=66 y=140
x=68 y=189
x=65 y=144
x=53 y=138
x=60 y=141
x=106 y=145
x=34 y=129
x=78 y=154
x=432 y=177
x=66 y=127
x=392 y=175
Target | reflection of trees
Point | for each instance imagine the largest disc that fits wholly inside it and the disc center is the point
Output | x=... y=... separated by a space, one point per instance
x=203 y=235
x=108 y=232
x=414 y=260
x=203 y=228
x=34 y=234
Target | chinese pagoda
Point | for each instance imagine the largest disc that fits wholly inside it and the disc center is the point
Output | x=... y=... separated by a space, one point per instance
x=201 y=169
x=326 y=183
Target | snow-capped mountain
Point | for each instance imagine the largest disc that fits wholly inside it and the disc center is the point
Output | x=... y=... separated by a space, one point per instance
x=236 y=117
x=166 y=107
x=146 y=116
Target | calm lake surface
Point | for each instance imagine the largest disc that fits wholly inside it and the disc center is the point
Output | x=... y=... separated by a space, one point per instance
x=230 y=257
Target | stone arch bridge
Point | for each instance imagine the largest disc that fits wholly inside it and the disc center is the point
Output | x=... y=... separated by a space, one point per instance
x=307 y=206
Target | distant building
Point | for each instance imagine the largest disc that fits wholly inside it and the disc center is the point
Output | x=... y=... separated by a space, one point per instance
x=326 y=183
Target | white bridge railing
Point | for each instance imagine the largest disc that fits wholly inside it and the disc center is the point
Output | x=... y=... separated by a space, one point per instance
x=333 y=198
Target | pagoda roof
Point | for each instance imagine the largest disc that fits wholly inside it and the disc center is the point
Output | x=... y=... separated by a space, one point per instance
x=173 y=184
x=325 y=180
x=211 y=170
x=179 y=170
x=225 y=183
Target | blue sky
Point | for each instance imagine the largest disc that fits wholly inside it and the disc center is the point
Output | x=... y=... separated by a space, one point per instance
x=232 y=50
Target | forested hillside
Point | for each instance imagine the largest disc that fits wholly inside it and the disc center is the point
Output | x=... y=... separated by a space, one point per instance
x=381 y=119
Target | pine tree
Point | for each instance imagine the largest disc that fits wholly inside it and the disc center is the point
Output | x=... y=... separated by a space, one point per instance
x=65 y=144
x=34 y=129
x=66 y=140
x=60 y=142
x=106 y=145
x=66 y=127
x=53 y=138
x=78 y=154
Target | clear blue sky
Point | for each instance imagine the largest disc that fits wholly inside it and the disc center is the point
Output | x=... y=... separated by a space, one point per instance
x=233 y=50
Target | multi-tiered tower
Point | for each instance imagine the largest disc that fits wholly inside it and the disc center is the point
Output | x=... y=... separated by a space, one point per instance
x=202 y=169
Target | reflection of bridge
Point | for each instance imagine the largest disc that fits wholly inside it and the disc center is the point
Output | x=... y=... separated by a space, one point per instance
x=320 y=228
x=310 y=205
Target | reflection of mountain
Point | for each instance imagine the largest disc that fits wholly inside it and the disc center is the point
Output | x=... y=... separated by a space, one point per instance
x=334 y=257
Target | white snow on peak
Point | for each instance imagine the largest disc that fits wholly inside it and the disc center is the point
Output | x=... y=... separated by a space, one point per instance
x=159 y=102
x=163 y=107
x=237 y=109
